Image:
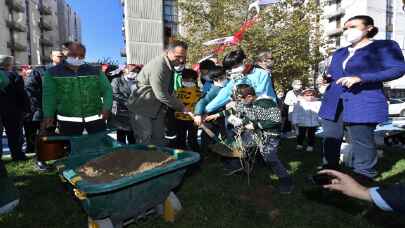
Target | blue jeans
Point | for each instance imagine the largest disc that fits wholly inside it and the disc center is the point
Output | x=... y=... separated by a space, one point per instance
x=362 y=142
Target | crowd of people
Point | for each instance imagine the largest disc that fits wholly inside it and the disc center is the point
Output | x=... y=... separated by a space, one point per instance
x=165 y=104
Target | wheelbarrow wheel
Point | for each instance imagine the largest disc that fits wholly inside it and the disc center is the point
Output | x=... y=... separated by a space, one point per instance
x=105 y=223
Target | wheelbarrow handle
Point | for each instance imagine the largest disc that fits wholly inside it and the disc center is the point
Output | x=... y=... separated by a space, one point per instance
x=69 y=138
x=56 y=138
x=208 y=131
x=205 y=128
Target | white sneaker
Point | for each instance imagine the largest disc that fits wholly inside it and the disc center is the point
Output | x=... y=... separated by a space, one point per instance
x=310 y=149
x=299 y=147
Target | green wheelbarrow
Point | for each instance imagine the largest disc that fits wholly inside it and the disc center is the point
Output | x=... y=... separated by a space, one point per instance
x=118 y=202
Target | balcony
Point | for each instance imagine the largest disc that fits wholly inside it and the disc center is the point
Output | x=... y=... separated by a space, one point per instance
x=331 y=2
x=333 y=15
x=16 y=26
x=16 y=5
x=46 y=42
x=334 y=32
x=45 y=10
x=16 y=46
x=44 y=25
x=123 y=52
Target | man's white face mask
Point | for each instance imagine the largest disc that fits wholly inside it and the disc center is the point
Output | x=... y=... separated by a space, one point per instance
x=75 y=61
x=179 y=68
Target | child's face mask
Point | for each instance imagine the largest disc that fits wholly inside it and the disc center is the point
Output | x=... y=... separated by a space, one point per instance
x=221 y=83
x=188 y=84
x=247 y=101
x=236 y=73
x=309 y=97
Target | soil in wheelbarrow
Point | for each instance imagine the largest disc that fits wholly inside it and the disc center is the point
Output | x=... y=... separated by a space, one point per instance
x=122 y=163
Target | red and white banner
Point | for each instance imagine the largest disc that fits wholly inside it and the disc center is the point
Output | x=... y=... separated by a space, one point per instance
x=237 y=37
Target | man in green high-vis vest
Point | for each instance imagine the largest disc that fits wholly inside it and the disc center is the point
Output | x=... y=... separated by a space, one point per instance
x=77 y=93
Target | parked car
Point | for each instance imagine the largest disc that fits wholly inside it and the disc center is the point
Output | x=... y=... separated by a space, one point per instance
x=396 y=107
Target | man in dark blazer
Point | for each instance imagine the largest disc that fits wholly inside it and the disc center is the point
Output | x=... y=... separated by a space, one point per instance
x=155 y=94
x=122 y=88
x=14 y=103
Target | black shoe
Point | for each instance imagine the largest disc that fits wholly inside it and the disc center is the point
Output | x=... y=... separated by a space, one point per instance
x=335 y=200
x=286 y=185
x=42 y=167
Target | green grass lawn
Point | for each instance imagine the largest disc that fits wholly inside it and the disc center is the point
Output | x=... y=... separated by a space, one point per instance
x=211 y=199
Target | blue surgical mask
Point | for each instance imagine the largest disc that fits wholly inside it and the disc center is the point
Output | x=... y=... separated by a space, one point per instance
x=75 y=61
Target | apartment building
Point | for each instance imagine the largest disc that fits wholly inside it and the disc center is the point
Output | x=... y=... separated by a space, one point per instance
x=388 y=16
x=31 y=29
x=148 y=25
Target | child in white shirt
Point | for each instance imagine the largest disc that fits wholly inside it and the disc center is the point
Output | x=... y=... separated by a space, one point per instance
x=305 y=117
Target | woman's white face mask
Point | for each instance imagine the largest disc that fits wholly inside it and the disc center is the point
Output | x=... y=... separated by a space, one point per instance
x=354 y=35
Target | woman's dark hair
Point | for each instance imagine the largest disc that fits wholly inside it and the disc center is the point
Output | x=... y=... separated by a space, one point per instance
x=216 y=73
x=189 y=74
x=244 y=90
x=233 y=58
x=367 y=21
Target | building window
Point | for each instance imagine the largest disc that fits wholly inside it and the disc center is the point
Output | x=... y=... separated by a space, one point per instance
x=337 y=2
x=389 y=19
x=390 y=6
x=338 y=5
x=170 y=17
